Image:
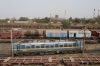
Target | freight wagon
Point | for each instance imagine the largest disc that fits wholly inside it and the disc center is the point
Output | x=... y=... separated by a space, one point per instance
x=66 y=33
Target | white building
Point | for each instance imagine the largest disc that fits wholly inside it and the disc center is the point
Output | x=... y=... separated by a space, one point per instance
x=21 y=22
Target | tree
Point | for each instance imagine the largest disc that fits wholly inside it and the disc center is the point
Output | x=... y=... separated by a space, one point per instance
x=13 y=19
x=23 y=19
x=91 y=20
x=7 y=19
x=77 y=20
x=4 y=20
x=38 y=20
x=46 y=20
x=70 y=19
x=65 y=23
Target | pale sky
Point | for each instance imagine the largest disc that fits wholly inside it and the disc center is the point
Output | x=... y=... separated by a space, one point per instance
x=43 y=8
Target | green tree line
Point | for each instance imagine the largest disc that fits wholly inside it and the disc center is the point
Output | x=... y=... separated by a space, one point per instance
x=65 y=22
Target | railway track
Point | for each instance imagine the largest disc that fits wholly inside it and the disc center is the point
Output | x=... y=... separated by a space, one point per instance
x=62 y=59
x=51 y=61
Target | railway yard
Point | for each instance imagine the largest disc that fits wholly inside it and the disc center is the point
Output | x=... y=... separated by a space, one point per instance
x=50 y=33
x=89 y=57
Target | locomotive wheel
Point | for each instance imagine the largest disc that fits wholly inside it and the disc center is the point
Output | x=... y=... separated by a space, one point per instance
x=41 y=53
x=20 y=54
x=32 y=54
x=27 y=54
x=70 y=52
x=65 y=52
x=46 y=53
x=51 y=52
x=75 y=51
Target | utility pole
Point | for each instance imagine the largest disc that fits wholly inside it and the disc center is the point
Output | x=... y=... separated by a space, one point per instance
x=84 y=40
x=50 y=17
x=60 y=33
x=11 y=43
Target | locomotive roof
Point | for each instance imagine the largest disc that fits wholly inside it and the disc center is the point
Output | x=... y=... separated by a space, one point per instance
x=45 y=43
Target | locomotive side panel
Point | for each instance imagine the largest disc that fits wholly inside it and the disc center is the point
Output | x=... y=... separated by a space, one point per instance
x=56 y=47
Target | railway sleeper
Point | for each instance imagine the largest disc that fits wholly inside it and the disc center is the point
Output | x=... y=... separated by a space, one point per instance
x=50 y=64
x=72 y=64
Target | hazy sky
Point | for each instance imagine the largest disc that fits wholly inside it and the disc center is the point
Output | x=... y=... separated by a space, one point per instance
x=43 y=8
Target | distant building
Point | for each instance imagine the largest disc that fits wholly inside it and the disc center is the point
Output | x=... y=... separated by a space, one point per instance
x=21 y=22
x=51 y=22
x=56 y=16
x=8 y=21
x=34 y=22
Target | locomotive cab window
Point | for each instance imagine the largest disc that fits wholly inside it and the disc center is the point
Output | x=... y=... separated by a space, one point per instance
x=42 y=46
x=56 y=45
x=74 y=44
x=70 y=45
x=51 y=46
x=23 y=46
x=28 y=47
x=65 y=45
x=37 y=46
x=33 y=46
x=47 y=46
x=61 y=45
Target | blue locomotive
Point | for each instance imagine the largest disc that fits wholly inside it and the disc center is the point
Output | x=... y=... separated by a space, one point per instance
x=42 y=48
